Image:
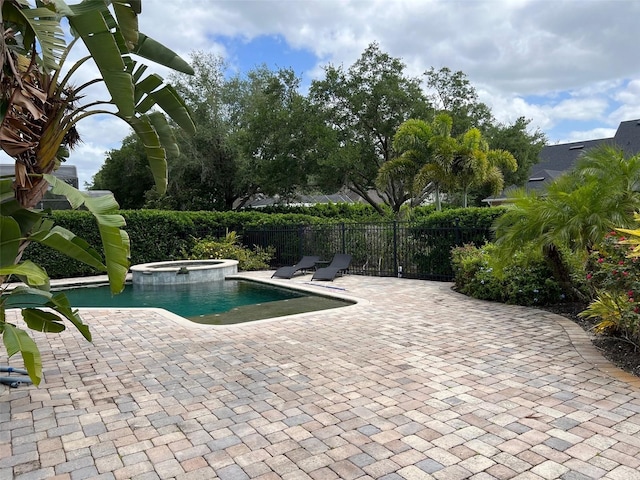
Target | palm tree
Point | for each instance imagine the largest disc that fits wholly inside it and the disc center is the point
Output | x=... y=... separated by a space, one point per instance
x=472 y=163
x=418 y=168
x=430 y=160
x=575 y=211
x=40 y=110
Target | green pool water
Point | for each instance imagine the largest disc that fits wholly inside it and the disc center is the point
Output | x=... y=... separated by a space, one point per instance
x=216 y=303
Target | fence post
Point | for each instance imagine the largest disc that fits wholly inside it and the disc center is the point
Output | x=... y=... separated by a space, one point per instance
x=456 y=224
x=344 y=239
x=300 y=241
x=395 y=247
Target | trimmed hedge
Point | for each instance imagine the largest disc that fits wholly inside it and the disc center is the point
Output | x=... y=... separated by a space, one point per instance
x=155 y=235
x=160 y=235
x=358 y=212
x=471 y=217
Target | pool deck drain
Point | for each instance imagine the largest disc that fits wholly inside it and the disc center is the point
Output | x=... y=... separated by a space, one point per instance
x=414 y=382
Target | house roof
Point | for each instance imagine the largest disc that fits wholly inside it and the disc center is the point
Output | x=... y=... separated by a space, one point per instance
x=554 y=160
x=68 y=173
x=304 y=200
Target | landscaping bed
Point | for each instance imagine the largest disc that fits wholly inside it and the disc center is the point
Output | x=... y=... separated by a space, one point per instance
x=618 y=351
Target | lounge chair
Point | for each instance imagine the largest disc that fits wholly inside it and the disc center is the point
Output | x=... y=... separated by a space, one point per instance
x=305 y=263
x=339 y=264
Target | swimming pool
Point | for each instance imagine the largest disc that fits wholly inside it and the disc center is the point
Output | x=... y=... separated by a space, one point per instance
x=216 y=303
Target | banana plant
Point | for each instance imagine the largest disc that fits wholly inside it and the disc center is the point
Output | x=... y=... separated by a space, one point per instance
x=39 y=110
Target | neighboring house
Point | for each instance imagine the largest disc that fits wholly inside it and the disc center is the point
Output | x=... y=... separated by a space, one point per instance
x=304 y=200
x=558 y=159
x=68 y=173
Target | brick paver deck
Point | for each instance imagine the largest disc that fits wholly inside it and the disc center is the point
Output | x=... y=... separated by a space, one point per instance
x=415 y=382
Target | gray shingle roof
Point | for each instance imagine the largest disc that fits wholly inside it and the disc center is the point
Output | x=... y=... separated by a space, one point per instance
x=554 y=160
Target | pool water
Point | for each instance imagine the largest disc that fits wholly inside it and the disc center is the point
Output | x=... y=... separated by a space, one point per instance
x=187 y=300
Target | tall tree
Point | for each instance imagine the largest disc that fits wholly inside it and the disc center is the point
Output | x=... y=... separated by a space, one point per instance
x=40 y=109
x=364 y=106
x=126 y=174
x=204 y=176
x=420 y=168
x=452 y=93
x=255 y=136
x=473 y=163
x=277 y=134
x=525 y=146
x=439 y=162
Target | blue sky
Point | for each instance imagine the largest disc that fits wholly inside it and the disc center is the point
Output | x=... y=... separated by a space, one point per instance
x=569 y=66
x=272 y=50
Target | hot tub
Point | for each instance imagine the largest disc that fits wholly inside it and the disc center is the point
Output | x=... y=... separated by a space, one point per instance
x=183 y=271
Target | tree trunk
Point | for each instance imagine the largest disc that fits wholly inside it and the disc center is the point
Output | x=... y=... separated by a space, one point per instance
x=366 y=197
x=561 y=273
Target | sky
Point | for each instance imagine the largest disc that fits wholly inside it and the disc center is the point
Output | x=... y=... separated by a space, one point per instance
x=570 y=66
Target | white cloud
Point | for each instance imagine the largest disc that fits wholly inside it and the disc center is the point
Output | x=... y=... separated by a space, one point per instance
x=559 y=62
x=99 y=134
x=593 y=134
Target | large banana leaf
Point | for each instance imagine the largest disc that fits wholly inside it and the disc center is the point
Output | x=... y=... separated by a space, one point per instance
x=17 y=340
x=169 y=101
x=156 y=155
x=135 y=5
x=26 y=297
x=28 y=270
x=114 y=240
x=147 y=95
x=9 y=240
x=165 y=133
x=92 y=28
x=128 y=22
x=68 y=243
x=42 y=321
x=41 y=24
x=26 y=218
x=142 y=88
x=152 y=50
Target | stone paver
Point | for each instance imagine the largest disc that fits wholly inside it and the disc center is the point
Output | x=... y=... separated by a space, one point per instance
x=415 y=381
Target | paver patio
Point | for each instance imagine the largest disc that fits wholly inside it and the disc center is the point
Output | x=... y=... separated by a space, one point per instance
x=414 y=382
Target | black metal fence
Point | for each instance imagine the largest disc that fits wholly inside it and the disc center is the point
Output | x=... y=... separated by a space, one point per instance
x=378 y=249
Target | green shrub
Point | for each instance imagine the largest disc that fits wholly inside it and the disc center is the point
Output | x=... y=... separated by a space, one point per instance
x=525 y=281
x=155 y=235
x=230 y=248
x=336 y=211
x=474 y=275
x=472 y=217
x=438 y=232
x=422 y=246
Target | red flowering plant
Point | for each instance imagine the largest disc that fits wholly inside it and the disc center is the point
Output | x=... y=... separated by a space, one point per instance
x=613 y=276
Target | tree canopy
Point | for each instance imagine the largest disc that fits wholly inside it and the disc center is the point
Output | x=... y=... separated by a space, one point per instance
x=258 y=134
x=363 y=106
x=431 y=160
